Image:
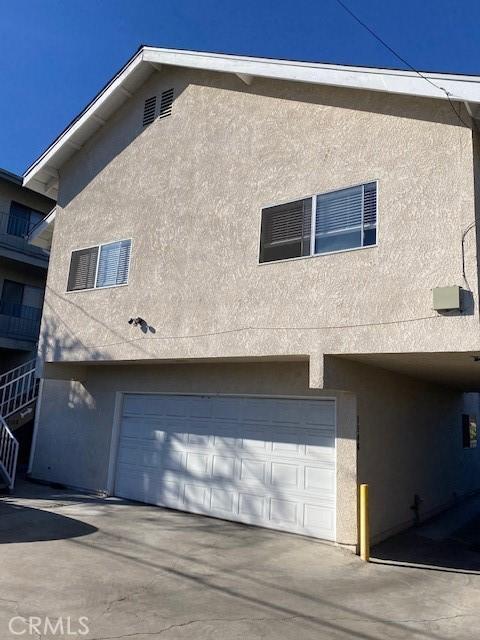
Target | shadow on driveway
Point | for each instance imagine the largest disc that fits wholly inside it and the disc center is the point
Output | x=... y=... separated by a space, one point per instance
x=26 y=524
x=450 y=542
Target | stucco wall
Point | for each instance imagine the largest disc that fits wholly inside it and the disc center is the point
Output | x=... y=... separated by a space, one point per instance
x=189 y=190
x=410 y=442
x=410 y=432
x=75 y=419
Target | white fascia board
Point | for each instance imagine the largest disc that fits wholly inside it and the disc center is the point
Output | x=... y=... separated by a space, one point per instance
x=388 y=80
x=68 y=136
x=41 y=234
x=459 y=87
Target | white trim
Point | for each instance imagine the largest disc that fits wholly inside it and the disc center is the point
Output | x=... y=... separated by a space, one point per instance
x=97 y=103
x=313 y=225
x=318 y=255
x=317 y=193
x=215 y=394
x=247 y=79
x=35 y=427
x=114 y=442
x=362 y=215
x=459 y=87
x=35 y=236
x=108 y=286
x=336 y=469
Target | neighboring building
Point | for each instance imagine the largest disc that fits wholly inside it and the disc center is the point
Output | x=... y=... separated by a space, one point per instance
x=23 y=270
x=239 y=318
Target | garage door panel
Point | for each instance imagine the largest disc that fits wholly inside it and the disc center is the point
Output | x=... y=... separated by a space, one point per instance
x=194 y=496
x=252 y=470
x=283 y=512
x=254 y=440
x=197 y=463
x=225 y=441
x=223 y=501
x=318 y=518
x=285 y=475
x=319 y=480
x=251 y=506
x=223 y=468
x=262 y=461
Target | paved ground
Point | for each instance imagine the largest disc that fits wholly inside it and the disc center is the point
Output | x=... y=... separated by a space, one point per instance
x=141 y=572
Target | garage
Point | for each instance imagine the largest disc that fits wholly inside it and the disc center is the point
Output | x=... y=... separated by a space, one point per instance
x=266 y=461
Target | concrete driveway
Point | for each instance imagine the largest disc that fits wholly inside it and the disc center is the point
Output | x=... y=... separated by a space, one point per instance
x=142 y=572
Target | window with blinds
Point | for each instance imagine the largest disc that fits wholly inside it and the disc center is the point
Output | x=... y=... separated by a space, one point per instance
x=286 y=231
x=113 y=263
x=83 y=267
x=324 y=223
x=105 y=265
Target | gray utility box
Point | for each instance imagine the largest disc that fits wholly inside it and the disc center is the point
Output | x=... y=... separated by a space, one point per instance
x=447 y=298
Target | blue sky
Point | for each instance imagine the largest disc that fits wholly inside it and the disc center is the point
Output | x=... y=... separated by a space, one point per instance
x=56 y=54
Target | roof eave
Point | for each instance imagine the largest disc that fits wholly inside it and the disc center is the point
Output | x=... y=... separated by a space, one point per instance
x=42 y=175
x=41 y=235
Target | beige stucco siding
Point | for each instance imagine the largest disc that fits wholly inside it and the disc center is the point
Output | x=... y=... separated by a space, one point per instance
x=78 y=453
x=189 y=190
x=410 y=442
x=410 y=432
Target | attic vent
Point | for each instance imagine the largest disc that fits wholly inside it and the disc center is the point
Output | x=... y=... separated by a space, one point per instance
x=166 y=103
x=149 y=110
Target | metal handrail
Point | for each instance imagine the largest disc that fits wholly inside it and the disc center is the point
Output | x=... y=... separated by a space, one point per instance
x=12 y=374
x=8 y=453
x=14 y=230
x=18 y=393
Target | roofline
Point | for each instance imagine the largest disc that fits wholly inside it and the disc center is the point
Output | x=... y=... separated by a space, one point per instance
x=40 y=235
x=11 y=177
x=91 y=104
x=465 y=88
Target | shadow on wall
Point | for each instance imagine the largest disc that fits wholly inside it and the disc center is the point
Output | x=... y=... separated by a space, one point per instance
x=25 y=524
x=58 y=341
x=111 y=140
x=108 y=144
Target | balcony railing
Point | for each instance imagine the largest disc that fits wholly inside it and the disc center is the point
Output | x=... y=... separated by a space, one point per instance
x=19 y=322
x=13 y=232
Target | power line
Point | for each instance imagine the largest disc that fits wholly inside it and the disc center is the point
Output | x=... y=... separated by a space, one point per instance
x=402 y=59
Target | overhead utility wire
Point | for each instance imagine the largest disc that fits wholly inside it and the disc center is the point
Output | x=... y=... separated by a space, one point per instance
x=402 y=59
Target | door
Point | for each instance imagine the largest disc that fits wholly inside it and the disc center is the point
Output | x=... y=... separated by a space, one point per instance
x=263 y=461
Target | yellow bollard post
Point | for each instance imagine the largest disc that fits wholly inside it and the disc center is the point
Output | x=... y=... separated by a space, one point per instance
x=364 y=524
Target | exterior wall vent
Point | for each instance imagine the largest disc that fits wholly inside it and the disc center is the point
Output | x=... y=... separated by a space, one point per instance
x=149 y=110
x=166 y=103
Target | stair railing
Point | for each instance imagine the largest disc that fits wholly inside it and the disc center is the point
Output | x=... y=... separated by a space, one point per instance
x=18 y=388
x=8 y=453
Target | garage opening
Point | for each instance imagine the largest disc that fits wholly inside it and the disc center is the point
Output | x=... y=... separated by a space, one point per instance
x=263 y=461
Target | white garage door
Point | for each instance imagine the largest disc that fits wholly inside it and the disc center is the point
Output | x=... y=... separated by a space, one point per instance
x=264 y=461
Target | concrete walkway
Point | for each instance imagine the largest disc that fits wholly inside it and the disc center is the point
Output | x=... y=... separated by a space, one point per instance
x=142 y=572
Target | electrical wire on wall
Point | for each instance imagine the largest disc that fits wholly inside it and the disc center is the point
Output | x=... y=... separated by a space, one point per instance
x=207 y=334
x=448 y=95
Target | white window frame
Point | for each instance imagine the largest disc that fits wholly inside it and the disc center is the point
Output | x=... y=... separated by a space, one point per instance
x=100 y=245
x=313 y=198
